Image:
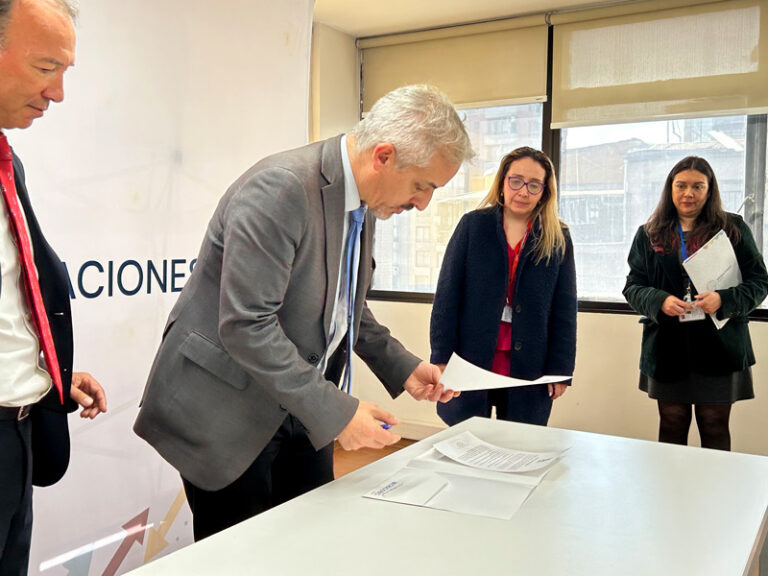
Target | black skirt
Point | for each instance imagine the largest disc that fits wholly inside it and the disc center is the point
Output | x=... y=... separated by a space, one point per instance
x=701 y=388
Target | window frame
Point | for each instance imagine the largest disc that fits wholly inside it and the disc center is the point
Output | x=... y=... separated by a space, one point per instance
x=755 y=172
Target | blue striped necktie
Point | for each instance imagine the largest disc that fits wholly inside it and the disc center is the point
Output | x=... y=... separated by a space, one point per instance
x=353 y=241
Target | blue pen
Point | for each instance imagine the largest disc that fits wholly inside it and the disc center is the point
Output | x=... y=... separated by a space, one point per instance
x=386 y=426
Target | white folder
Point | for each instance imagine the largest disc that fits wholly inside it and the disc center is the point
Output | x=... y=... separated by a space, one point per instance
x=714 y=267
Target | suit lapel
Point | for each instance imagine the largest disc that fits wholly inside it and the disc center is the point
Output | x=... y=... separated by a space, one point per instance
x=670 y=264
x=363 y=269
x=333 y=215
x=54 y=286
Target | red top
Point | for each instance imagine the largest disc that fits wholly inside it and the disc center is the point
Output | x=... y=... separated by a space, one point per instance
x=501 y=360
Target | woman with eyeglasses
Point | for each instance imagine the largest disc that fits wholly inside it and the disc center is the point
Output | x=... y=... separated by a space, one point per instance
x=685 y=361
x=506 y=296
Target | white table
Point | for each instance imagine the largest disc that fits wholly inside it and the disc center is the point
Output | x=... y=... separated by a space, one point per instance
x=610 y=506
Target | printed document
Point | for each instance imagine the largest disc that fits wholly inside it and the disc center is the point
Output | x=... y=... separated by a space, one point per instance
x=468 y=449
x=415 y=487
x=714 y=267
x=477 y=478
x=437 y=462
x=460 y=375
x=462 y=494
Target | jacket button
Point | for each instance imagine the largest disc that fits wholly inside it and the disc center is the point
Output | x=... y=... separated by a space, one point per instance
x=518 y=346
x=313 y=358
x=518 y=308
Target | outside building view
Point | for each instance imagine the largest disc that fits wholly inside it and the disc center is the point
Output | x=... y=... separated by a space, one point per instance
x=610 y=181
x=409 y=248
x=611 y=178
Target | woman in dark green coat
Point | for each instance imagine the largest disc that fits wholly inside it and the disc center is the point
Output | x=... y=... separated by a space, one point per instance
x=685 y=360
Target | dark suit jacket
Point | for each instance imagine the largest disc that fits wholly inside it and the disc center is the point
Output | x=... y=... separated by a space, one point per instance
x=50 y=433
x=242 y=343
x=472 y=290
x=672 y=349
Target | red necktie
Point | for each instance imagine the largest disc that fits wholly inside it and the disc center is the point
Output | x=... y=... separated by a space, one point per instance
x=34 y=298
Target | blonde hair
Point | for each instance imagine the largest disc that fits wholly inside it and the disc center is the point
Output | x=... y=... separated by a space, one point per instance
x=551 y=240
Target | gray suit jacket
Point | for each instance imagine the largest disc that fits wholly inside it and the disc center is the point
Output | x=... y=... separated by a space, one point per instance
x=241 y=345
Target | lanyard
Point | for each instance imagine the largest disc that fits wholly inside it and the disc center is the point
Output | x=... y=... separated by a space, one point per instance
x=513 y=265
x=684 y=254
x=683 y=251
x=518 y=250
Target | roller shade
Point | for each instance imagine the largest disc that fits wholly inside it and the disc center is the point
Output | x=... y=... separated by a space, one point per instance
x=707 y=59
x=501 y=62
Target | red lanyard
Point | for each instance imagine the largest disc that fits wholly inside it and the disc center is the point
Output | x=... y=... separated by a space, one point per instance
x=514 y=261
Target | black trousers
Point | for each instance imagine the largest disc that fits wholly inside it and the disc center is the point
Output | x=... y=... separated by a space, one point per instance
x=287 y=467
x=526 y=404
x=15 y=496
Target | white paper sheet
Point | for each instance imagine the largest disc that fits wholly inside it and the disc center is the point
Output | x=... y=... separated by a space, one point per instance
x=474 y=483
x=437 y=462
x=714 y=267
x=415 y=487
x=453 y=493
x=468 y=449
x=479 y=497
x=460 y=375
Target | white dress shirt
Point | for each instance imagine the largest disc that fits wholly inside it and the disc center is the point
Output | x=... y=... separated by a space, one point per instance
x=22 y=378
x=339 y=317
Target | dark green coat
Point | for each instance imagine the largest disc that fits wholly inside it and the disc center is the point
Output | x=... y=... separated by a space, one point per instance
x=672 y=349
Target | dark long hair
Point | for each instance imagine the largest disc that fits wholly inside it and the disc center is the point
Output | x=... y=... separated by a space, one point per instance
x=662 y=225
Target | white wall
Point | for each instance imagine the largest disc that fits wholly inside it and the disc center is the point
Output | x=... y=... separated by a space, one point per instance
x=168 y=103
x=335 y=83
x=604 y=397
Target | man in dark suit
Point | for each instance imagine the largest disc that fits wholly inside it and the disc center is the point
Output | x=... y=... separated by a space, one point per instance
x=242 y=397
x=37 y=43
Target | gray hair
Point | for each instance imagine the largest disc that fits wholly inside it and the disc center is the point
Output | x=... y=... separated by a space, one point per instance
x=66 y=7
x=419 y=121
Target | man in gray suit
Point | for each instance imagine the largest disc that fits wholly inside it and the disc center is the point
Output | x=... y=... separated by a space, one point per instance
x=241 y=397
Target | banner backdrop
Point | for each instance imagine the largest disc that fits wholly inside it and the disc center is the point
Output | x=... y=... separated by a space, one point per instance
x=167 y=104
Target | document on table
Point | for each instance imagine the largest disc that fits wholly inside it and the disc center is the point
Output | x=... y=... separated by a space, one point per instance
x=467 y=449
x=460 y=375
x=414 y=487
x=478 y=479
x=437 y=462
x=462 y=494
x=714 y=267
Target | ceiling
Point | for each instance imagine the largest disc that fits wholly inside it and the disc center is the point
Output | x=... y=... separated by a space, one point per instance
x=361 y=18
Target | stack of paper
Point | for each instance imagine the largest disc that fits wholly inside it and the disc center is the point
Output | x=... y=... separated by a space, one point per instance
x=464 y=474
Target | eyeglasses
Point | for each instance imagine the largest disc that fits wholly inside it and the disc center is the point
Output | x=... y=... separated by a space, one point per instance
x=681 y=186
x=534 y=186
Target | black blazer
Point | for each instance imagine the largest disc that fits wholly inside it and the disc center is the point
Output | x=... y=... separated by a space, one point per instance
x=672 y=349
x=471 y=292
x=50 y=433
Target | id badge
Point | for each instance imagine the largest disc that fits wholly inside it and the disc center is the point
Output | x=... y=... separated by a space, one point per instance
x=506 y=315
x=694 y=314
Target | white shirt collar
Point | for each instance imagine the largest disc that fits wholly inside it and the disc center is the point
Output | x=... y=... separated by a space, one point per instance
x=351 y=194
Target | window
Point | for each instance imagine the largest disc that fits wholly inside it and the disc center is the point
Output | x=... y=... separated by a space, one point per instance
x=611 y=178
x=616 y=119
x=422 y=259
x=423 y=236
x=762 y=239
